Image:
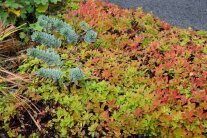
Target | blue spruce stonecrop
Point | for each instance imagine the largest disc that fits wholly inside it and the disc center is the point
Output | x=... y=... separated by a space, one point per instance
x=76 y=74
x=47 y=56
x=59 y=26
x=69 y=34
x=53 y=74
x=84 y=26
x=46 y=39
x=51 y=24
x=90 y=36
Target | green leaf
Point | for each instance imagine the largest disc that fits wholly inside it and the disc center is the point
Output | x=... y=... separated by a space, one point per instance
x=42 y=8
x=202 y=33
x=93 y=127
x=22 y=35
x=43 y=2
x=55 y=1
x=205 y=49
x=3 y=14
x=36 y=27
x=11 y=4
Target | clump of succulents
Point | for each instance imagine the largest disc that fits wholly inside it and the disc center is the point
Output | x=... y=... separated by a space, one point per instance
x=46 y=39
x=49 y=56
x=54 y=74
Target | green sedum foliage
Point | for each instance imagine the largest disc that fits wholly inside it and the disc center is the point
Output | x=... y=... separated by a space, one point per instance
x=142 y=78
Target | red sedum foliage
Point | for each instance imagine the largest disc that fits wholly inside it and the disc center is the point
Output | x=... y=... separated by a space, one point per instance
x=143 y=78
x=148 y=51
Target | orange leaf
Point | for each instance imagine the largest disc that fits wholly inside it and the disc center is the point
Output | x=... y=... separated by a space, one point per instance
x=105 y=115
x=106 y=74
x=138 y=112
x=165 y=25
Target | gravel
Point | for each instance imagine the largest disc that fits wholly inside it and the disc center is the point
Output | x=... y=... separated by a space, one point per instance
x=180 y=13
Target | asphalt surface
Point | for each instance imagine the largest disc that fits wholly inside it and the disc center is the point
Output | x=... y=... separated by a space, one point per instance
x=180 y=13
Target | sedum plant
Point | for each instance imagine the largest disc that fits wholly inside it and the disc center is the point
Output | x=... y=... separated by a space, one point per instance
x=46 y=39
x=54 y=74
x=135 y=88
x=69 y=34
x=76 y=74
x=84 y=26
x=47 y=56
x=51 y=25
x=90 y=36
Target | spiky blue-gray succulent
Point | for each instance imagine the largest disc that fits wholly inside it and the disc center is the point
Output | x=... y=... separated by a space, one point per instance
x=52 y=23
x=90 y=36
x=84 y=26
x=76 y=74
x=46 y=39
x=70 y=35
x=53 y=74
x=58 y=25
x=44 y=22
x=47 y=56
